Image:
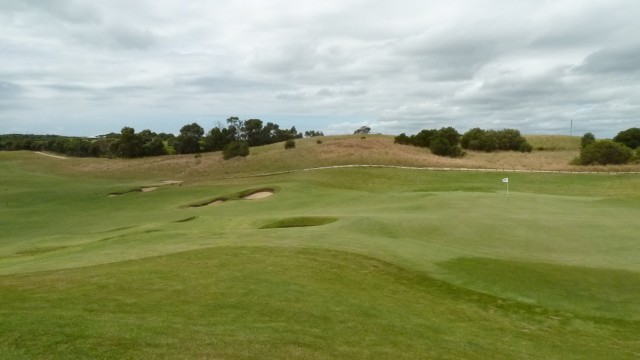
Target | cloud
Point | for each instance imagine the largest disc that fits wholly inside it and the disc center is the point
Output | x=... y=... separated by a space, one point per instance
x=620 y=60
x=397 y=67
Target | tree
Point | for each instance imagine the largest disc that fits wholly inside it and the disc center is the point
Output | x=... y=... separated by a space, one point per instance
x=605 y=152
x=629 y=137
x=362 y=130
x=279 y=135
x=216 y=139
x=492 y=140
x=235 y=127
x=587 y=139
x=254 y=134
x=235 y=148
x=188 y=142
x=313 y=133
x=440 y=146
x=129 y=145
x=471 y=139
x=423 y=138
x=154 y=147
x=509 y=140
x=443 y=142
x=402 y=139
x=449 y=133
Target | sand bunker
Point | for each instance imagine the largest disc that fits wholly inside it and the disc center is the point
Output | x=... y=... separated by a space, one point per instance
x=216 y=202
x=258 y=195
x=171 y=182
x=148 y=189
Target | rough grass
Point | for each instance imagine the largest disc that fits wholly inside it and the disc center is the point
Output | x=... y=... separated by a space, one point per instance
x=334 y=150
x=554 y=142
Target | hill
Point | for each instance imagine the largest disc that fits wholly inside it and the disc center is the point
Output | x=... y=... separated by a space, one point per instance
x=337 y=150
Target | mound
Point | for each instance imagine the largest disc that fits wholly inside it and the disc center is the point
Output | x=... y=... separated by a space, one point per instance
x=299 y=222
x=216 y=201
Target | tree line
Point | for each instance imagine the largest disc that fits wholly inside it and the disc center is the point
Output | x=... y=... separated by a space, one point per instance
x=238 y=136
x=234 y=139
x=447 y=141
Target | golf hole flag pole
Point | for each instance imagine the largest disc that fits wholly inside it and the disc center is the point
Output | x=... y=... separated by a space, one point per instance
x=506 y=180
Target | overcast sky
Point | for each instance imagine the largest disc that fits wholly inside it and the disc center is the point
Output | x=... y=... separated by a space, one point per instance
x=76 y=67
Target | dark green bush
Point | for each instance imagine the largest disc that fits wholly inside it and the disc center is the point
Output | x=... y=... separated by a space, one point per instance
x=525 y=147
x=605 y=152
x=493 y=140
x=587 y=139
x=290 y=144
x=235 y=148
x=629 y=137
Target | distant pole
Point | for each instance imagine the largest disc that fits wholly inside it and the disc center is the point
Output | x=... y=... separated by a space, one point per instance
x=571 y=131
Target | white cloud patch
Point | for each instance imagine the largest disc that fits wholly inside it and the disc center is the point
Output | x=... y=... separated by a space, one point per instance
x=89 y=67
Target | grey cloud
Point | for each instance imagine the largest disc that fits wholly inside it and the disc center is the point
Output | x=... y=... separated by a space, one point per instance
x=291 y=95
x=228 y=84
x=131 y=38
x=8 y=89
x=348 y=92
x=10 y=96
x=447 y=58
x=404 y=67
x=613 y=60
x=63 y=10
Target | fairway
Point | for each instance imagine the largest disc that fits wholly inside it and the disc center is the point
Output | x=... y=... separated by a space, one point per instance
x=321 y=264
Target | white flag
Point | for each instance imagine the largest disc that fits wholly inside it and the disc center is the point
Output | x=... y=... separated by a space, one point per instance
x=505 y=180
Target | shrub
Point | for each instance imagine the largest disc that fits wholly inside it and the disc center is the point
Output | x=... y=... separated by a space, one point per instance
x=472 y=139
x=290 y=144
x=492 y=140
x=440 y=146
x=629 y=137
x=442 y=142
x=587 y=139
x=402 y=139
x=525 y=147
x=235 y=148
x=605 y=152
x=318 y=141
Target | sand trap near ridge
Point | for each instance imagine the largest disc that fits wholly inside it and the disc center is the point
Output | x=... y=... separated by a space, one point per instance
x=258 y=195
x=148 y=189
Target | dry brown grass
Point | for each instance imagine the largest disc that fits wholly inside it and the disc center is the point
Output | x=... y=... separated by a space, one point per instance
x=334 y=150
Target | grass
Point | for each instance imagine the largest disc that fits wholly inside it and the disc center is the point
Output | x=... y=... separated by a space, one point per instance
x=277 y=302
x=554 y=142
x=417 y=264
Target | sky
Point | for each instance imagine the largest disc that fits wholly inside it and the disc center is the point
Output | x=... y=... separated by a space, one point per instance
x=84 y=68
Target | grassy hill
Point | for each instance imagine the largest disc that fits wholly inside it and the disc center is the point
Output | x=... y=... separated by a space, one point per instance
x=337 y=263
